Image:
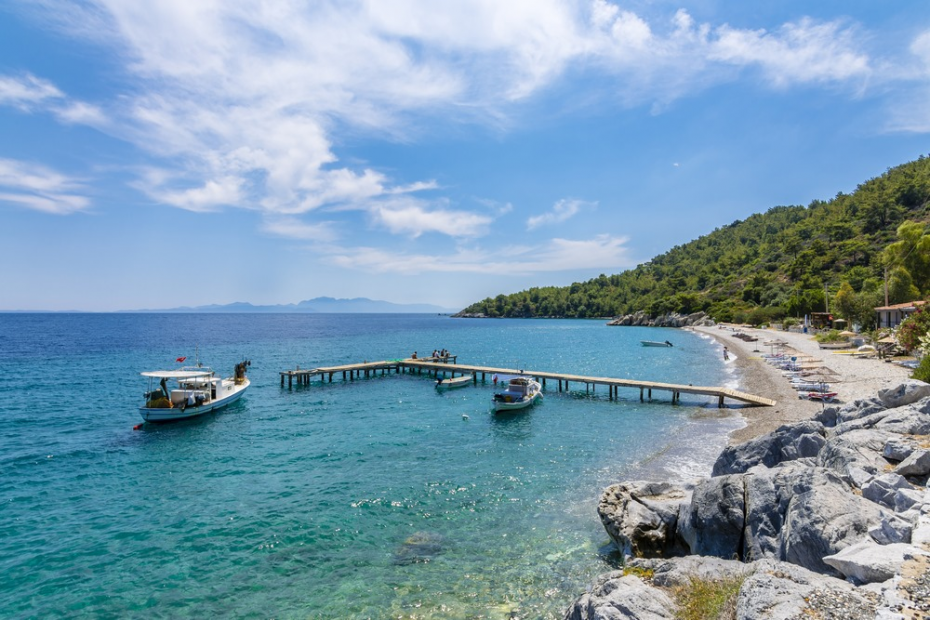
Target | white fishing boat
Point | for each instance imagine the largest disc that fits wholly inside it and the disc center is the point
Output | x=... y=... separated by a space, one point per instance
x=653 y=343
x=521 y=392
x=454 y=382
x=190 y=392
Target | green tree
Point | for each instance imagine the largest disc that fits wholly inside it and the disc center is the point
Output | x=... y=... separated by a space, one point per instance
x=846 y=303
x=901 y=287
x=911 y=251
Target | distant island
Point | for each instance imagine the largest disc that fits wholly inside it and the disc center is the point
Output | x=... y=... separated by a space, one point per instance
x=318 y=304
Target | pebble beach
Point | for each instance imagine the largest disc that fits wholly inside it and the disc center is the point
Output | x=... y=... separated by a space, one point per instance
x=856 y=377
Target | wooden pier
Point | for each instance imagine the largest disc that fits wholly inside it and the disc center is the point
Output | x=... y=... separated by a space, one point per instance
x=434 y=366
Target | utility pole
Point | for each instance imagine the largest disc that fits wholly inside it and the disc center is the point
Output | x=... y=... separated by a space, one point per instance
x=886 y=286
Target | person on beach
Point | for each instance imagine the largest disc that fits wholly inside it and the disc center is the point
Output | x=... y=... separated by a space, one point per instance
x=726 y=354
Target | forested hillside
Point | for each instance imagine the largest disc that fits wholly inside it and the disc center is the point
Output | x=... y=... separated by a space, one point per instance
x=771 y=265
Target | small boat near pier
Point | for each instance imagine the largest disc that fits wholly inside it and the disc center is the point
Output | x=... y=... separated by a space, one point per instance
x=521 y=392
x=454 y=382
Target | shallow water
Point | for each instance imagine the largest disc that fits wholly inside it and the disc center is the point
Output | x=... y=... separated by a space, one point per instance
x=373 y=498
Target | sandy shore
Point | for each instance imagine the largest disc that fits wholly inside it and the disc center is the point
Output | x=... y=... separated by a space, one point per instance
x=856 y=377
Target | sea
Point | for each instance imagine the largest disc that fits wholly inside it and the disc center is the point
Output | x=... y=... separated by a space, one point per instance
x=370 y=498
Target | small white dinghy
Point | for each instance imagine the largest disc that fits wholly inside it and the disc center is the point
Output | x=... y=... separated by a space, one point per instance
x=454 y=382
x=653 y=343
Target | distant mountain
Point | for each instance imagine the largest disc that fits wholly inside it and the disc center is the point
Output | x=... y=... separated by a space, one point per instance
x=319 y=304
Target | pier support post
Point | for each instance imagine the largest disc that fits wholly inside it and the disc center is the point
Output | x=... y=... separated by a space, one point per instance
x=640 y=394
x=720 y=402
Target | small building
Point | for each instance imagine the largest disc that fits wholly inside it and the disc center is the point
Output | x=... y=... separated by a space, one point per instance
x=821 y=320
x=891 y=316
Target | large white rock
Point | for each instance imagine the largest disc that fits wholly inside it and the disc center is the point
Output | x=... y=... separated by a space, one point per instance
x=906 y=393
x=869 y=562
x=615 y=597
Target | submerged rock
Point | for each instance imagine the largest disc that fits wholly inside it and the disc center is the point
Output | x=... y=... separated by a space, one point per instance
x=419 y=548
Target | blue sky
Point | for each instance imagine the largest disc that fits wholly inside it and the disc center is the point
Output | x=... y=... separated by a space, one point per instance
x=188 y=152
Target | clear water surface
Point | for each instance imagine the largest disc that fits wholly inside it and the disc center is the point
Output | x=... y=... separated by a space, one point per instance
x=373 y=498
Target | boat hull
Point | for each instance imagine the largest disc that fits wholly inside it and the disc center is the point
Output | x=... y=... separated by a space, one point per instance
x=650 y=343
x=502 y=406
x=175 y=414
x=451 y=384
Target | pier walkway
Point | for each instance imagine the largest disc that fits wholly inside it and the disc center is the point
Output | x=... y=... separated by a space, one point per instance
x=434 y=366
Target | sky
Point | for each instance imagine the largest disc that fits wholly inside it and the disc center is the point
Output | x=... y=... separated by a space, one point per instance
x=193 y=152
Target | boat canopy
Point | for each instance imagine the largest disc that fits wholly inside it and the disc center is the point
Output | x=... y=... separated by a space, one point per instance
x=178 y=374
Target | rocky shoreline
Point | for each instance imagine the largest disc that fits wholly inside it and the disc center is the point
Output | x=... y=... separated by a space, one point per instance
x=673 y=319
x=822 y=518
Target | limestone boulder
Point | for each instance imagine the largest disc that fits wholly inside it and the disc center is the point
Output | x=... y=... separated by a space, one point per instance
x=641 y=517
x=907 y=420
x=898 y=448
x=822 y=521
x=863 y=423
x=883 y=489
x=712 y=523
x=792 y=513
x=869 y=562
x=618 y=597
x=905 y=393
x=780 y=591
x=916 y=464
x=894 y=528
x=769 y=493
x=787 y=443
x=908 y=499
x=856 y=451
x=858 y=409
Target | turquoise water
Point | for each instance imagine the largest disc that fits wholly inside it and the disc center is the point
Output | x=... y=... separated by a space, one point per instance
x=375 y=498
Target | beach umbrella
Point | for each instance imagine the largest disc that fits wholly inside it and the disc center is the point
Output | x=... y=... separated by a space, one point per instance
x=888 y=340
x=847 y=333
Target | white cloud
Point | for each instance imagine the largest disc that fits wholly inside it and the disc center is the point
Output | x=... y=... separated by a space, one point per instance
x=920 y=47
x=26 y=92
x=79 y=113
x=410 y=217
x=561 y=211
x=601 y=252
x=39 y=188
x=250 y=97
x=806 y=51
x=31 y=94
x=215 y=192
x=293 y=228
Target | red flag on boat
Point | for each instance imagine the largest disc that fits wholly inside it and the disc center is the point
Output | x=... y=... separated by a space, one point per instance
x=180 y=360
